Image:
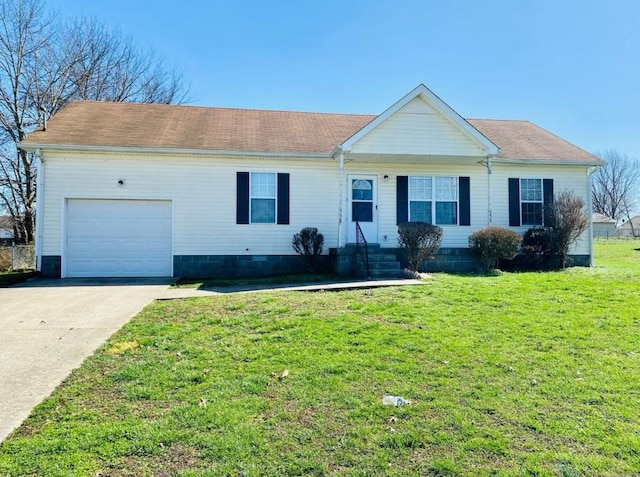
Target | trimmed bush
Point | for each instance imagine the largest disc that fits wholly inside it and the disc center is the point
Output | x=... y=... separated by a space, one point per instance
x=308 y=243
x=492 y=244
x=419 y=241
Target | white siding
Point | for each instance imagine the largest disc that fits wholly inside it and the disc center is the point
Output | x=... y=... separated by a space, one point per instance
x=565 y=178
x=418 y=128
x=203 y=191
x=454 y=236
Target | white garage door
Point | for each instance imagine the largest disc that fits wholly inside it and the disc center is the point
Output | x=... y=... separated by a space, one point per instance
x=118 y=238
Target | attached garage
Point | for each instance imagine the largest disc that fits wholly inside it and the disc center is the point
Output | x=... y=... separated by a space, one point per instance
x=118 y=238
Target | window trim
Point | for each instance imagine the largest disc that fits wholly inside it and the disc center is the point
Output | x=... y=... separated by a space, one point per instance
x=433 y=199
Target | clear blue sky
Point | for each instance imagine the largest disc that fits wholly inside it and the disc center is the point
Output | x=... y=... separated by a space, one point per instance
x=570 y=66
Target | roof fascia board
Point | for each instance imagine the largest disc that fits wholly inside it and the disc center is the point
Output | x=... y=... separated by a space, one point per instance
x=550 y=162
x=168 y=151
x=490 y=148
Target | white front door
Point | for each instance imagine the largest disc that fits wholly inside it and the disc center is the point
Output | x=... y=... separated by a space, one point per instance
x=363 y=207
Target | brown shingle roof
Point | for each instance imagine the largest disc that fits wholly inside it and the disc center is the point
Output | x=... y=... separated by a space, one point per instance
x=104 y=124
x=525 y=140
x=87 y=123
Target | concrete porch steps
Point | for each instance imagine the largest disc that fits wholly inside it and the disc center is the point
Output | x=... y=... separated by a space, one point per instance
x=382 y=264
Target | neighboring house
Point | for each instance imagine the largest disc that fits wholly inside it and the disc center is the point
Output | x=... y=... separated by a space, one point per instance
x=630 y=228
x=155 y=190
x=603 y=225
x=6 y=229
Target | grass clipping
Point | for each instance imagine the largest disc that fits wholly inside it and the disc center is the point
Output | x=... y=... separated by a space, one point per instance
x=122 y=347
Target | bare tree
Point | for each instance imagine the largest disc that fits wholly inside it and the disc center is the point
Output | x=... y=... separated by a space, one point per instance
x=569 y=221
x=616 y=185
x=43 y=65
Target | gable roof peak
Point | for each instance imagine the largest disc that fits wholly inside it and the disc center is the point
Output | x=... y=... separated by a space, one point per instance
x=434 y=100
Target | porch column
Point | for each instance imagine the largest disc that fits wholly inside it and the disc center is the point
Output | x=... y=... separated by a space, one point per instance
x=342 y=208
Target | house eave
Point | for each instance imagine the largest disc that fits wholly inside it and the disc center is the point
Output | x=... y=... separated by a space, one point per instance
x=30 y=147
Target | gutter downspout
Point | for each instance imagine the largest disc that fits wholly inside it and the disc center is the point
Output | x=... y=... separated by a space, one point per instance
x=39 y=208
x=341 y=211
x=590 y=173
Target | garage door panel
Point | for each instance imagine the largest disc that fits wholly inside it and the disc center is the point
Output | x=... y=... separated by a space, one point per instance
x=118 y=238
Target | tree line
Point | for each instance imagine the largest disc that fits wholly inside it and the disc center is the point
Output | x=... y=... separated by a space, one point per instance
x=45 y=62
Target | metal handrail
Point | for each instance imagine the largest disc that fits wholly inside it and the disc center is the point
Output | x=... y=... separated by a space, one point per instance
x=361 y=242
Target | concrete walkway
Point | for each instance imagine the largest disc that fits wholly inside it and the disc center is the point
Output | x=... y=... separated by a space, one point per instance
x=173 y=293
x=49 y=327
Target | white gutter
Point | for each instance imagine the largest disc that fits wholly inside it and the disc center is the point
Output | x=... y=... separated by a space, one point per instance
x=39 y=208
x=590 y=173
x=489 y=209
x=169 y=151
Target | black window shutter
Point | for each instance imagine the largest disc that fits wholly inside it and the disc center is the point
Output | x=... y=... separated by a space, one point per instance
x=402 y=199
x=465 y=200
x=283 y=198
x=242 y=197
x=547 y=197
x=514 y=202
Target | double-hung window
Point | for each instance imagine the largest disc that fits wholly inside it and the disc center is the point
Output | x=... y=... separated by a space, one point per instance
x=531 y=201
x=433 y=197
x=263 y=197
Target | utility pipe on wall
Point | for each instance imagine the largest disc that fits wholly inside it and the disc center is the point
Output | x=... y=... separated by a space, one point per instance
x=39 y=207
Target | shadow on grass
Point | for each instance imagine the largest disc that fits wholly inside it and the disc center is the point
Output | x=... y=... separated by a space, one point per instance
x=11 y=278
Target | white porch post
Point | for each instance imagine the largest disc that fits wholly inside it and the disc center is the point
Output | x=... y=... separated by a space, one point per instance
x=342 y=208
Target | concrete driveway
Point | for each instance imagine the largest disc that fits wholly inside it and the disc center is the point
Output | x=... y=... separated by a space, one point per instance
x=48 y=327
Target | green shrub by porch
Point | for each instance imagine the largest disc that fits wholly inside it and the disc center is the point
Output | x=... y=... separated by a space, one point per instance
x=419 y=241
x=492 y=244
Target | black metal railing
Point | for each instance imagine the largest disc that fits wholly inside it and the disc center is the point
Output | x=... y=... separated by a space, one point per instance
x=362 y=249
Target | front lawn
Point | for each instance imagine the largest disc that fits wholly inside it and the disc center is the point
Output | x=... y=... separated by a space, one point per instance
x=515 y=374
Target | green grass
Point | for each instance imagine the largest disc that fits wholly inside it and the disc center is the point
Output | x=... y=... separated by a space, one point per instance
x=515 y=374
x=12 y=277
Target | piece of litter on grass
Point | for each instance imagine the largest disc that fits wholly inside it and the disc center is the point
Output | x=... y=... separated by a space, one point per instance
x=394 y=401
x=533 y=382
x=284 y=374
x=393 y=419
x=202 y=403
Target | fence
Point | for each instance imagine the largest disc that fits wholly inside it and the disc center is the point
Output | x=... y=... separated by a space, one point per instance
x=17 y=257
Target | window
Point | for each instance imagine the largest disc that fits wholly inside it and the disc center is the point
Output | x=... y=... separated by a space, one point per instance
x=362 y=200
x=431 y=197
x=420 y=197
x=531 y=201
x=263 y=198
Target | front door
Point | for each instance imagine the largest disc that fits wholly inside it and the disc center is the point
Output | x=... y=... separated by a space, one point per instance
x=363 y=207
